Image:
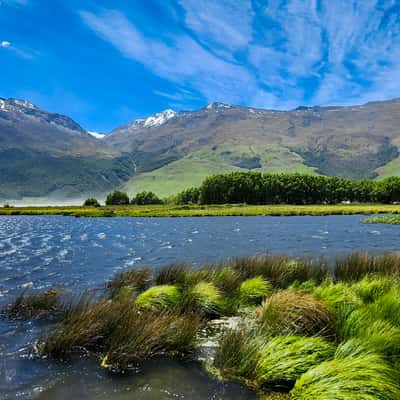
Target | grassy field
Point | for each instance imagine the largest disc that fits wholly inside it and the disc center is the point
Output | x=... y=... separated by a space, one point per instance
x=387 y=219
x=205 y=210
x=194 y=168
x=297 y=329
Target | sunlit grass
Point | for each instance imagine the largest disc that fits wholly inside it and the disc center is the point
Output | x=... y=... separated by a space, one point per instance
x=205 y=210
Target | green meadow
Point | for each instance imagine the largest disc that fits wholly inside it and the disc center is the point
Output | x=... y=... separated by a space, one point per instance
x=295 y=329
x=204 y=210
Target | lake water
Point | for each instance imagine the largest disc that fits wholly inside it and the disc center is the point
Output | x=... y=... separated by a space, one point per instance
x=77 y=253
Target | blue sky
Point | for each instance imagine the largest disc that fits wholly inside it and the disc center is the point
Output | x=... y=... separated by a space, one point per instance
x=105 y=62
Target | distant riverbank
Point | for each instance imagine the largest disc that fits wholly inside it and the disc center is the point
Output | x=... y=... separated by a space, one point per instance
x=205 y=210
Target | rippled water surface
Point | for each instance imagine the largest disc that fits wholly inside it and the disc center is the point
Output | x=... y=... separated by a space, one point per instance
x=44 y=251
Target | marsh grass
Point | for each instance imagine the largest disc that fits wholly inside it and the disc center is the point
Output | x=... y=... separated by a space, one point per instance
x=285 y=358
x=160 y=297
x=130 y=281
x=203 y=299
x=46 y=304
x=307 y=310
x=252 y=291
x=121 y=332
x=356 y=266
x=238 y=353
x=140 y=336
x=280 y=271
x=173 y=274
x=365 y=377
x=293 y=312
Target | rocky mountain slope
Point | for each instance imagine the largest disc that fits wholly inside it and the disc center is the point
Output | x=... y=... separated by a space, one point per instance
x=46 y=154
x=355 y=142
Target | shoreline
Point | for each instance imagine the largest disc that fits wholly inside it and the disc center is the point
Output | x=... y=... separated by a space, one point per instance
x=205 y=210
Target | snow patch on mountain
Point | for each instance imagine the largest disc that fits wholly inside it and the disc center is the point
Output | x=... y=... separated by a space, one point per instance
x=217 y=105
x=97 y=135
x=154 y=120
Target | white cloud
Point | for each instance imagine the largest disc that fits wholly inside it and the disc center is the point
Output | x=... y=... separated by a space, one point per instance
x=223 y=26
x=182 y=60
x=5 y=44
x=280 y=53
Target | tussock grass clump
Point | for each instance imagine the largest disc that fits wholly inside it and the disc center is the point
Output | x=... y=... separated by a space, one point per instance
x=227 y=280
x=355 y=266
x=124 y=332
x=378 y=335
x=281 y=271
x=252 y=291
x=238 y=353
x=160 y=297
x=143 y=335
x=87 y=326
x=372 y=287
x=292 y=312
x=129 y=282
x=366 y=377
x=46 y=304
x=173 y=274
x=387 y=307
x=285 y=358
x=203 y=298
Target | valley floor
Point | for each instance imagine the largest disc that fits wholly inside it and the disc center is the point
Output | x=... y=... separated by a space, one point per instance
x=205 y=210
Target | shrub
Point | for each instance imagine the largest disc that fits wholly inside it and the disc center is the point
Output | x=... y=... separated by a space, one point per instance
x=365 y=377
x=117 y=198
x=146 y=198
x=294 y=312
x=253 y=290
x=159 y=298
x=285 y=358
x=91 y=202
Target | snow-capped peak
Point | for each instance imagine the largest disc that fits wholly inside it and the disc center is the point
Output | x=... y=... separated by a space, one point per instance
x=155 y=120
x=97 y=135
x=216 y=105
x=23 y=103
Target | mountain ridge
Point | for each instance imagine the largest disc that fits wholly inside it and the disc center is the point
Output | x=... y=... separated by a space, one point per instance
x=168 y=151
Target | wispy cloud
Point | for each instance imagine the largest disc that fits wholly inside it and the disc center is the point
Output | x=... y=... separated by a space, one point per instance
x=279 y=53
x=23 y=53
x=181 y=59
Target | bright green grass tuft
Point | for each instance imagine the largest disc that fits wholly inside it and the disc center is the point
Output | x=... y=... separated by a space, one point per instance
x=366 y=377
x=206 y=297
x=371 y=288
x=159 y=297
x=285 y=358
x=253 y=290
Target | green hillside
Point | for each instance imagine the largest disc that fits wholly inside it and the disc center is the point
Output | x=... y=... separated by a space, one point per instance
x=192 y=169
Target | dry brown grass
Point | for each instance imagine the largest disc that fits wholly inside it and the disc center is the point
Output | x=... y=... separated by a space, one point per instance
x=295 y=312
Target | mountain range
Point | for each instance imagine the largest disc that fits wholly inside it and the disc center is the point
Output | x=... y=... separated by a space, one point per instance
x=44 y=154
